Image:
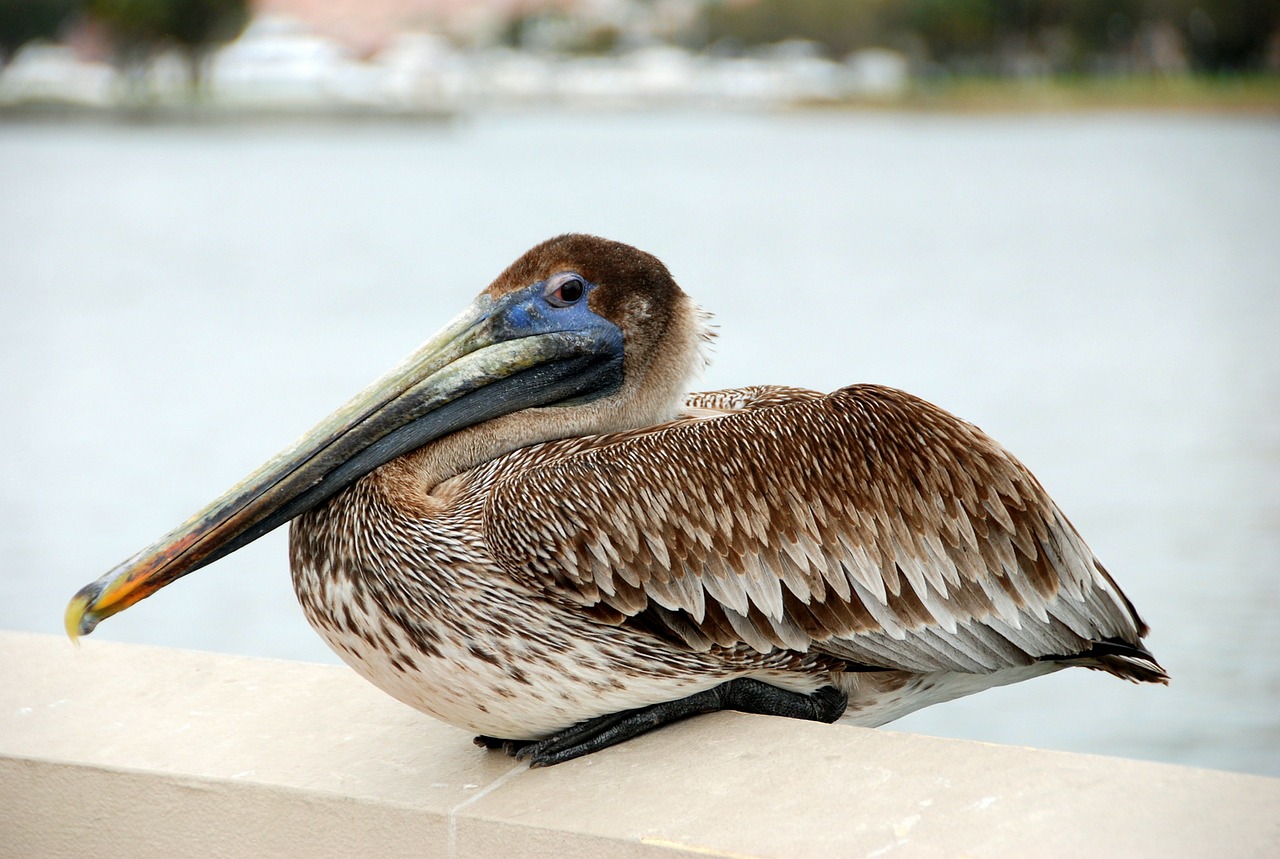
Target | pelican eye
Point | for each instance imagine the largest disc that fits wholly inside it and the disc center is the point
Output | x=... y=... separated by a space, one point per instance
x=565 y=289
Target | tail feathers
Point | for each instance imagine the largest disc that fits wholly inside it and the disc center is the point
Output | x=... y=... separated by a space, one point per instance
x=1126 y=661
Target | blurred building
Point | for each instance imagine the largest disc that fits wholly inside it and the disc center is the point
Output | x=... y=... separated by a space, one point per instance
x=454 y=54
x=369 y=26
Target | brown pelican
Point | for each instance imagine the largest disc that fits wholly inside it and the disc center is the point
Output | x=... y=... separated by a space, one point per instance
x=531 y=530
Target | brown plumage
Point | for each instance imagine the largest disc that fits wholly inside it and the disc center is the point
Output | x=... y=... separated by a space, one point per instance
x=615 y=544
x=866 y=524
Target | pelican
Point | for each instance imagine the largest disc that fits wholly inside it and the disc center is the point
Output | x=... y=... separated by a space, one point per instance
x=531 y=530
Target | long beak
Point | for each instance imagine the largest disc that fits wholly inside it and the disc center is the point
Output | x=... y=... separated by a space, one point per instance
x=477 y=368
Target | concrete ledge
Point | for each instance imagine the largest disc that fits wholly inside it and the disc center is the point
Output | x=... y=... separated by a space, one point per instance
x=115 y=750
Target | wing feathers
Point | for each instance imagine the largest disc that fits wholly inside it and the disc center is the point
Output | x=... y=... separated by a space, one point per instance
x=866 y=524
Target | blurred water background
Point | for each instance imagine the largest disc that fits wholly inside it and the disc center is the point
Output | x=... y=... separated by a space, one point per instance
x=1100 y=293
x=191 y=276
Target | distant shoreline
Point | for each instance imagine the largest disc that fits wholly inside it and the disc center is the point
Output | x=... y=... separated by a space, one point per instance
x=170 y=113
x=1257 y=95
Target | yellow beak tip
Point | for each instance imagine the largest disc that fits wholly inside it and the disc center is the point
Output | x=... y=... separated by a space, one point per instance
x=75 y=615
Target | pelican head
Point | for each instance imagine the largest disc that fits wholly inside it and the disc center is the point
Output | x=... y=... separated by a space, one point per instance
x=579 y=336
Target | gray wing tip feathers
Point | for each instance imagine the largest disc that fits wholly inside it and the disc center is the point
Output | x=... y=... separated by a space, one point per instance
x=1119 y=658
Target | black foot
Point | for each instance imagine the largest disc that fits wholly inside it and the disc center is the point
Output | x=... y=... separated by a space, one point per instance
x=507 y=747
x=744 y=694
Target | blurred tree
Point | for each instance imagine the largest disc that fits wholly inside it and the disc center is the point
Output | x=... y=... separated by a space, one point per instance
x=1229 y=35
x=839 y=26
x=137 y=31
x=21 y=21
x=1092 y=28
x=975 y=35
x=599 y=40
x=198 y=27
x=956 y=28
x=140 y=29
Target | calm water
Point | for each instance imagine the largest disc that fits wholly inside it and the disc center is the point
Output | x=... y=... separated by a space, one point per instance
x=1102 y=294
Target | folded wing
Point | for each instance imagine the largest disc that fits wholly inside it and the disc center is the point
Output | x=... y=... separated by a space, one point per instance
x=866 y=524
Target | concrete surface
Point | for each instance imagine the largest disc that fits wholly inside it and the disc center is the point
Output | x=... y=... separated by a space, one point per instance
x=119 y=750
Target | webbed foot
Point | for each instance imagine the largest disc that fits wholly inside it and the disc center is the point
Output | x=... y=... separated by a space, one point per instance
x=743 y=694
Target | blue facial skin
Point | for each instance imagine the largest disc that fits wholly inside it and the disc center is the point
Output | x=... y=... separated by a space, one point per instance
x=529 y=311
x=591 y=361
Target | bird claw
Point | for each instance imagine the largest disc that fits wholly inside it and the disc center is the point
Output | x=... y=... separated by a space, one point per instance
x=510 y=748
x=575 y=741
